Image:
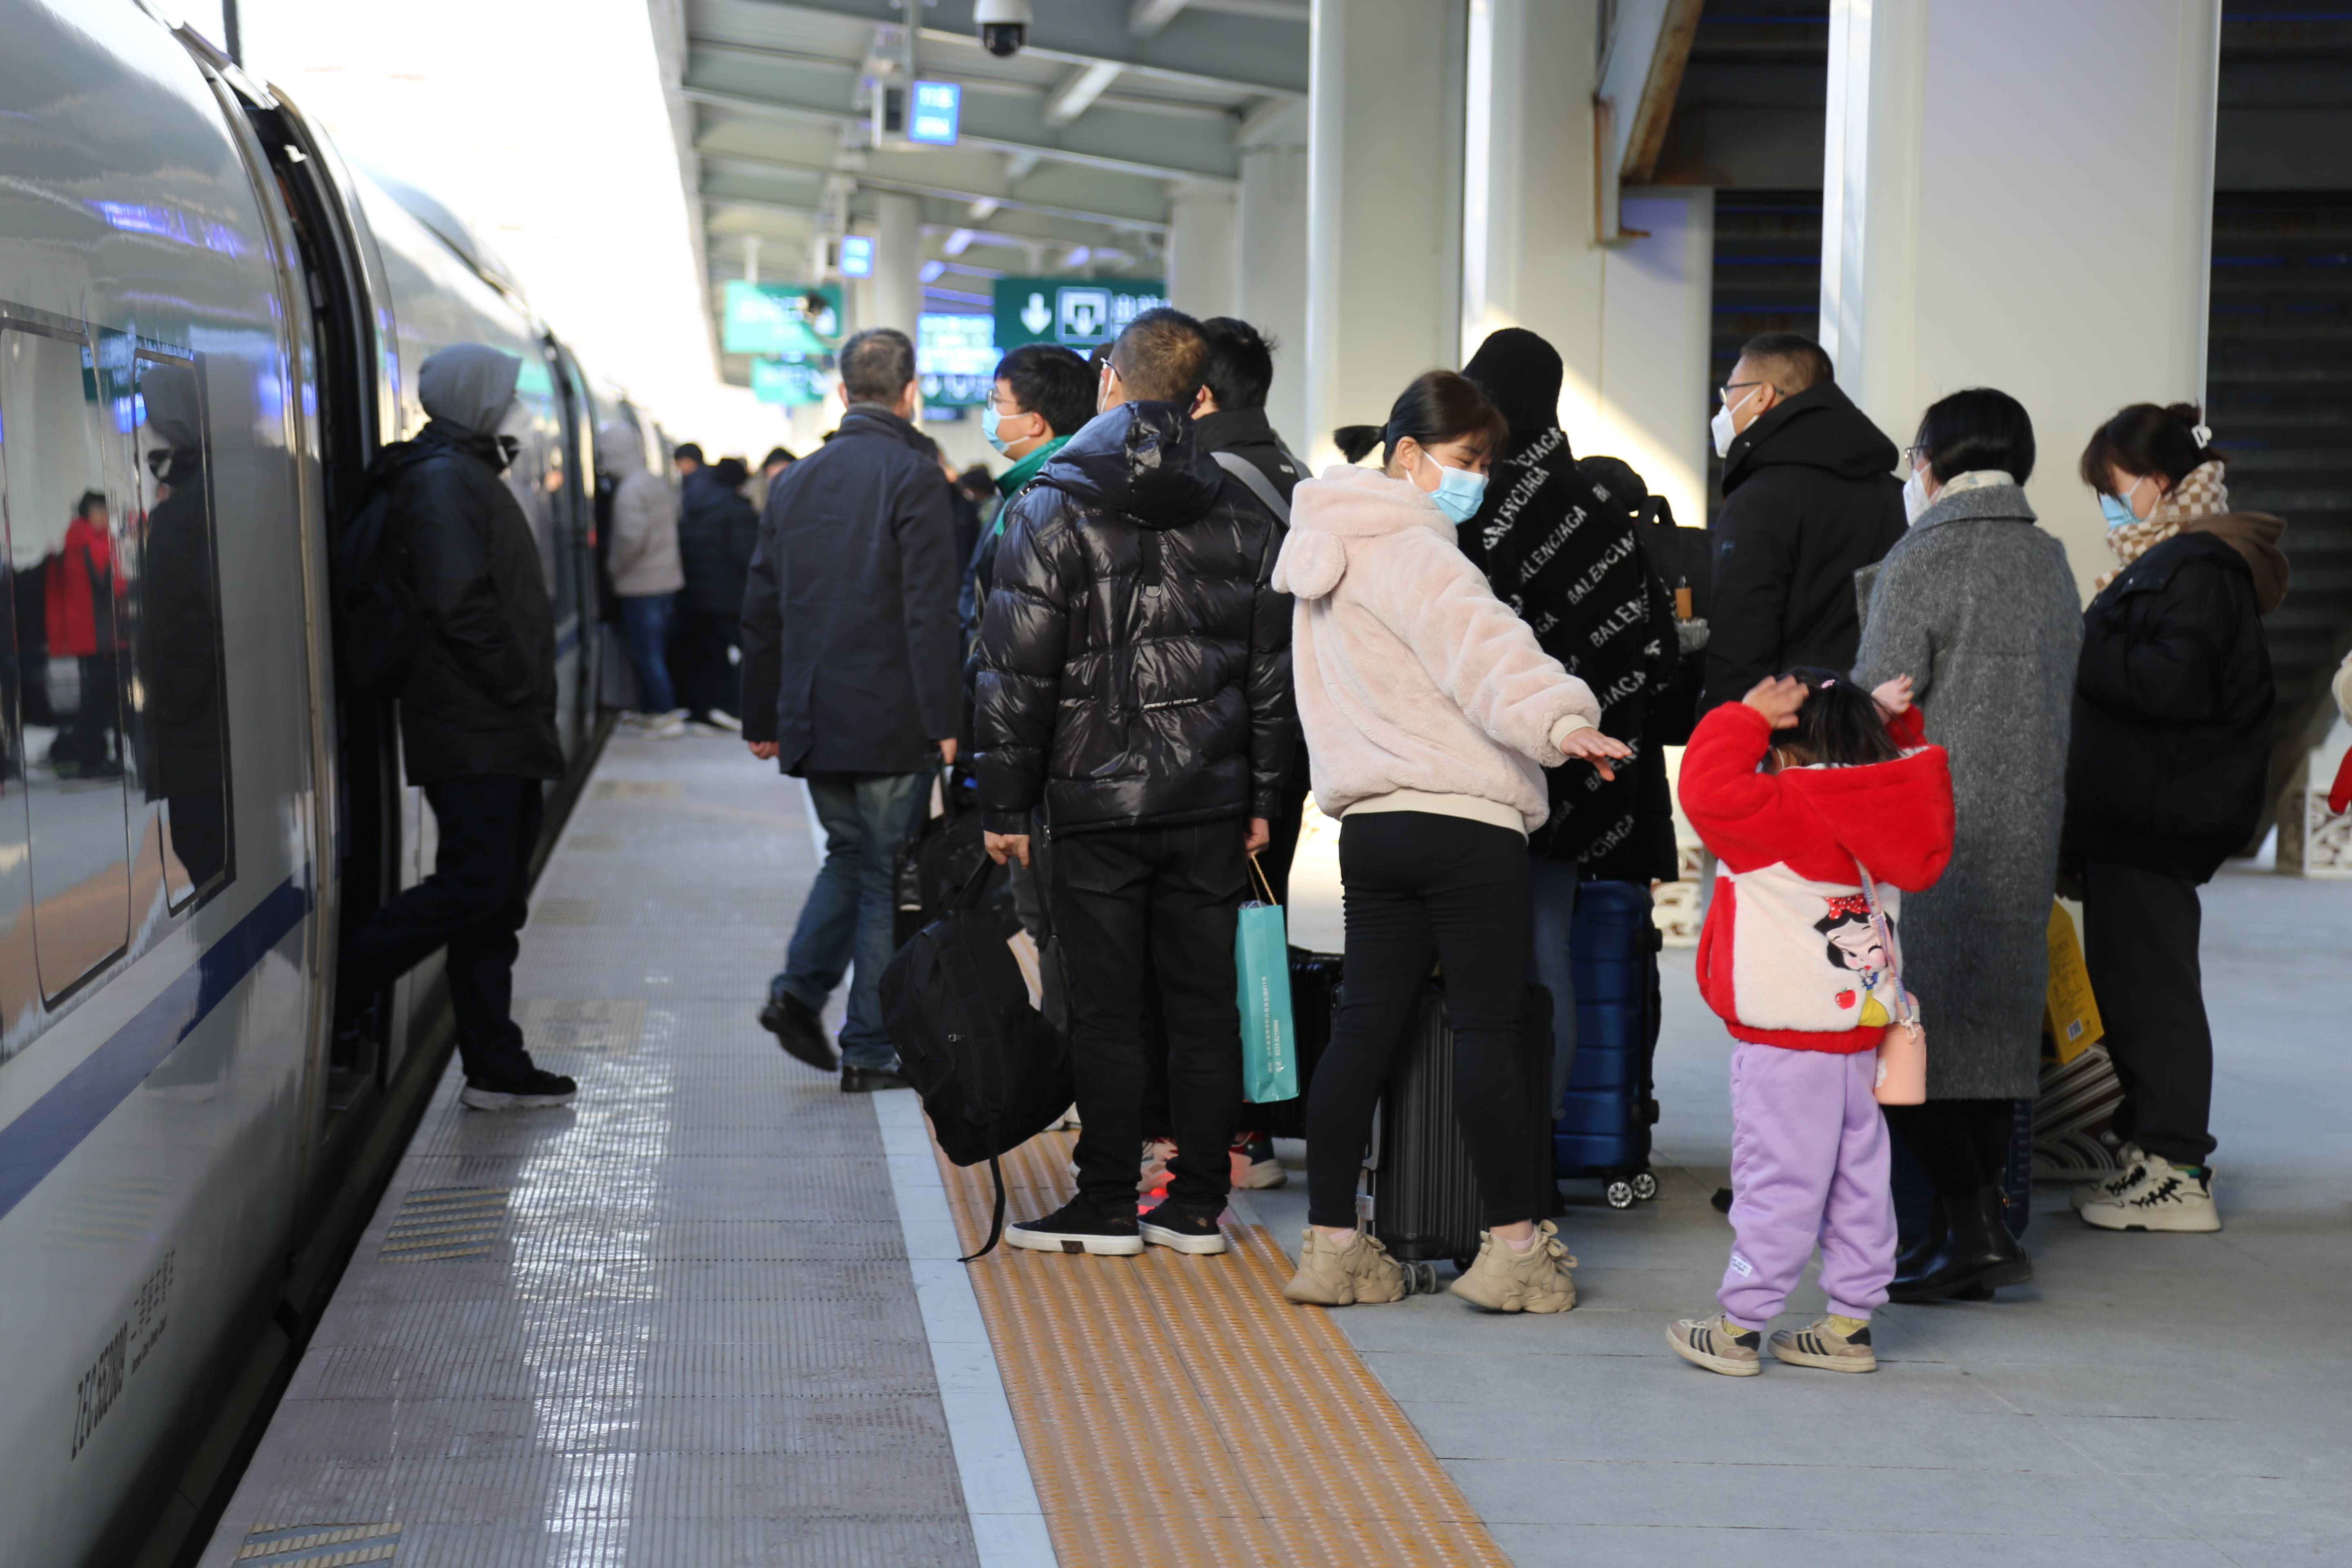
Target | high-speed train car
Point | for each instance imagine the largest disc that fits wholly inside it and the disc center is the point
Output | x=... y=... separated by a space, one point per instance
x=208 y=325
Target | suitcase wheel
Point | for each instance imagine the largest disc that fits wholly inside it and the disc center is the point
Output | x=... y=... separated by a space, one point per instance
x=1620 y=1193
x=1461 y=1265
x=1421 y=1279
x=1645 y=1186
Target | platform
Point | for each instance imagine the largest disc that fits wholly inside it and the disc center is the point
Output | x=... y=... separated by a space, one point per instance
x=710 y=1315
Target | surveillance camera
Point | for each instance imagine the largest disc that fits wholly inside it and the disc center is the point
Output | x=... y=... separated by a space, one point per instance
x=1002 y=25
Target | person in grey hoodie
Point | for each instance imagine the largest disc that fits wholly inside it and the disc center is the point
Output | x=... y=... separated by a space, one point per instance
x=647 y=574
x=477 y=724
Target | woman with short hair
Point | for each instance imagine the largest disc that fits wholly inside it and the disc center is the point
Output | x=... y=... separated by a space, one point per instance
x=2168 y=771
x=1976 y=604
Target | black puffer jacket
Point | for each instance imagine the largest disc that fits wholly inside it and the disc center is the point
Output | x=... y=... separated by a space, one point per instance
x=718 y=531
x=482 y=700
x=2169 y=758
x=1809 y=498
x=1134 y=657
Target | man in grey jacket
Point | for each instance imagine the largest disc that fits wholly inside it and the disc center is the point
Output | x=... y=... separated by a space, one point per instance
x=477 y=724
x=644 y=564
x=852 y=681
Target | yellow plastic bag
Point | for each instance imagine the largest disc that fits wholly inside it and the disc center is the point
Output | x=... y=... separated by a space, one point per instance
x=2070 y=1013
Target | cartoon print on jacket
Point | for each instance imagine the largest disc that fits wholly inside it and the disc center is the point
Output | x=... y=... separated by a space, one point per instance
x=1853 y=946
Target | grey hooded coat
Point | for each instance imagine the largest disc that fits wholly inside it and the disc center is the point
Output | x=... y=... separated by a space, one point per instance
x=1976 y=603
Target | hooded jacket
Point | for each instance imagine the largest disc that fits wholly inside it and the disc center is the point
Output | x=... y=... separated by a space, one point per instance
x=1249 y=434
x=1808 y=499
x=482 y=699
x=718 y=532
x=1789 y=955
x=2169 y=759
x=1419 y=690
x=644 y=557
x=1134 y=657
x=849 y=619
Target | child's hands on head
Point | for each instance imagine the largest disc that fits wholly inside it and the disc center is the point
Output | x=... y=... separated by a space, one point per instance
x=1895 y=695
x=1778 y=697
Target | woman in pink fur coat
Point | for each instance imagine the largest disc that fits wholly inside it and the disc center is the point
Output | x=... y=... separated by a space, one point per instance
x=1430 y=713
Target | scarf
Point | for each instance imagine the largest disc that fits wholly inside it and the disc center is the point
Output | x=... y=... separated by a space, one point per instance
x=1009 y=482
x=2200 y=493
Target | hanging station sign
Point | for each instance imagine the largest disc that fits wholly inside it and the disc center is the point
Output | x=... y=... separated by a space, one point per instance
x=955 y=358
x=778 y=318
x=1076 y=312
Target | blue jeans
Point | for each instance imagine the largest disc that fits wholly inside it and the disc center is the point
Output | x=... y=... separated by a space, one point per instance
x=1547 y=965
x=644 y=621
x=852 y=911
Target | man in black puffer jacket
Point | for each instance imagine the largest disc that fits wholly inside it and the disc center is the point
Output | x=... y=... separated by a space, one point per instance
x=718 y=533
x=1135 y=684
x=477 y=724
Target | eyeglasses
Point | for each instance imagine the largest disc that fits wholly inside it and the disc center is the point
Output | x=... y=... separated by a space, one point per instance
x=1725 y=391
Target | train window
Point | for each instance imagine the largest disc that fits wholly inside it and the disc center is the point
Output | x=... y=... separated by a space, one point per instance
x=61 y=560
x=182 y=724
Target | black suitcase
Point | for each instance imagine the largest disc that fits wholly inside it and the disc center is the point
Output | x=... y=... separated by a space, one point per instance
x=1314 y=993
x=1424 y=1195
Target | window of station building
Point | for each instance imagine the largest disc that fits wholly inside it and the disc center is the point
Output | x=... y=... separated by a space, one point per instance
x=182 y=749
x=64 y=845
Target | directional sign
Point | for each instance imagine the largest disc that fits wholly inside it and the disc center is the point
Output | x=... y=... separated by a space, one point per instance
x=955 y=358
x=933 y=112
x=1073 y=311
x=857 y=256
x=787 y=381
x=781 y=318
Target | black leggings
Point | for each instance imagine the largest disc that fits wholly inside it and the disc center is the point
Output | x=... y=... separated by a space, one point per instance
x=1421 y=888
x=1961 y=1144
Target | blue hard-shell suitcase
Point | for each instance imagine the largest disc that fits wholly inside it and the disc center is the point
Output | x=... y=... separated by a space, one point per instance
x=1611 y=1105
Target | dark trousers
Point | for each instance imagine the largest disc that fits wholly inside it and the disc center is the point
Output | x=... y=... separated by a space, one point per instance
x=2139 y=943
x=705 y=679
x=1421 y=890
x=1156 y=904
x=473 y=903
x=1962 y=1146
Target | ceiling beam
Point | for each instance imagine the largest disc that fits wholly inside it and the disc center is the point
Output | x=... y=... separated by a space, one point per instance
x=906 y=172
x=1127 y=143
x=1254 y=53
x=945 y=216
x=1077 y=92
x=1145 y=18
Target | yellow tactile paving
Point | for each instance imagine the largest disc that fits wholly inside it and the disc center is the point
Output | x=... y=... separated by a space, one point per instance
x=1178 y=1411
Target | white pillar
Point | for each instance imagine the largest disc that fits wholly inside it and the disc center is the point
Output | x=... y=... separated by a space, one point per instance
x=1272 y=289
x=1203 y=248
x=897 y=292
x=1383 y=239
x=1657 y=298
x=2020 y=195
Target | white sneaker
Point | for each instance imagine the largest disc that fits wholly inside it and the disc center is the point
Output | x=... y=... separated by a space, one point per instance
x=2163 y=1198
x=720 y=720
x=1255 y=1168
x=2133 y=1157
x=666 y=726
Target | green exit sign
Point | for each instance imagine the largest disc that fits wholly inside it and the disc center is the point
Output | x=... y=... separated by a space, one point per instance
x=1076 y=313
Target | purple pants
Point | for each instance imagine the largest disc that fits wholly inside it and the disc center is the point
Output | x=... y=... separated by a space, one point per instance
x=1808 y=1164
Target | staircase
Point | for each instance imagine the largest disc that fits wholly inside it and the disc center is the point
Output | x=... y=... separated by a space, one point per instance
x=1767 y=279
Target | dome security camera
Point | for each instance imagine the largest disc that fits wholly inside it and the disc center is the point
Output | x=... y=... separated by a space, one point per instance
x=1003 y=26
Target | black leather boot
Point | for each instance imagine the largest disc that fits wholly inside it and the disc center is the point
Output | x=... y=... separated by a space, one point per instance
x=1978 y=1253
x=1914 y=1252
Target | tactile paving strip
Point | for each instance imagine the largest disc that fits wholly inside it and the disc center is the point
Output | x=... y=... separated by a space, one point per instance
x=318 y=1545
x=1177 y=1411
x=445 y=1221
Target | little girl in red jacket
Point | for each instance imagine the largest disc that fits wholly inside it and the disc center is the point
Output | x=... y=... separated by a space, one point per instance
x=1803 y=790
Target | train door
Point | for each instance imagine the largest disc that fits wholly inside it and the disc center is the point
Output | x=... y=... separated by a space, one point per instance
x=578 y=563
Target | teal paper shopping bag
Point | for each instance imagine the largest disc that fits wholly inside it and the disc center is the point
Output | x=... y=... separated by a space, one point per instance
x=1262 y=960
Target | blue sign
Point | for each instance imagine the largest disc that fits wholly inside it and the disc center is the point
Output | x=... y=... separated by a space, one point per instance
x=857 y=256
x=933 y=112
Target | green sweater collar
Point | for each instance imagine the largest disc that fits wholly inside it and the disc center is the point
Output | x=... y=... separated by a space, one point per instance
x=1009 y=482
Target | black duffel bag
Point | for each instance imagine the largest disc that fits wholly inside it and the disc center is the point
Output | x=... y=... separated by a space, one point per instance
x=991 y=1071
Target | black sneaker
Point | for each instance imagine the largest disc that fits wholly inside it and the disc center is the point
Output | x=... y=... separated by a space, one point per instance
x=1181 y=1230
x=799 y=1030
x=866 y=1081
x=534 y=1089
x=1076 y=1226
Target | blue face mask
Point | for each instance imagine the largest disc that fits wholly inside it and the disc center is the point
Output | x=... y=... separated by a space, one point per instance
x=2117 y=511
x=988 y=425
x=1458 y=491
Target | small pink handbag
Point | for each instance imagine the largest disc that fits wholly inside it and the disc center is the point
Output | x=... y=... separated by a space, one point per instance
x=1903 y=1048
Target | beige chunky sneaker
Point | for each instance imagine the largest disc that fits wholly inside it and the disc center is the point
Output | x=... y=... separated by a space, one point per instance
x=2133 y=1157
x=1827 y=1344
x=1536 y=1280
x=1331 y=1274
x=1715 y=1345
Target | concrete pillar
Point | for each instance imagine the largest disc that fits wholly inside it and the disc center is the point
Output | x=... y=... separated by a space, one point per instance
x=897 y=292
x=2020 y=195
x=1272 y=288
x=1385 y=202
x=1204 y=247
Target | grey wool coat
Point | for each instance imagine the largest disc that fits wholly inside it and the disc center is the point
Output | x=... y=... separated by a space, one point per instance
x=1977 y=605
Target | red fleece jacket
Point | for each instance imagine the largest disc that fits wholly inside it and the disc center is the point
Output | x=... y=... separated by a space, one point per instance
x=1791 y=964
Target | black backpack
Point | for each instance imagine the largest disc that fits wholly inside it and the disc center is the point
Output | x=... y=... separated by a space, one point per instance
x=379 y=629
x=991 y=1071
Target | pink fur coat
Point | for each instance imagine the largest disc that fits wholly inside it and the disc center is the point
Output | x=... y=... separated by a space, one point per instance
x=1411 y=674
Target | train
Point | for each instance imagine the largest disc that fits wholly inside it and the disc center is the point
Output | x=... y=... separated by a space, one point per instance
x=210 y=324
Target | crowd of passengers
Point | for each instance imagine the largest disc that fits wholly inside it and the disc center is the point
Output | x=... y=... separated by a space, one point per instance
x=1154 y=634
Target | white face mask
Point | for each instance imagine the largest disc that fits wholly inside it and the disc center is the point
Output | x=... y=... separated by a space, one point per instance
x=1915 y=499
x=1721 y=427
